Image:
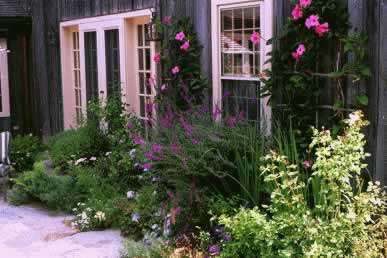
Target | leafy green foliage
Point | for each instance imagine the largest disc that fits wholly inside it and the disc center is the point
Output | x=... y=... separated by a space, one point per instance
x=189 y=62
x=24 y=151
x=52 y=190
x=297 y=87
x=323 y=215
x=85 y=142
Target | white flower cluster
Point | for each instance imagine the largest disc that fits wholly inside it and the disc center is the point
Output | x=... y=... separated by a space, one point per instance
x=86 y=218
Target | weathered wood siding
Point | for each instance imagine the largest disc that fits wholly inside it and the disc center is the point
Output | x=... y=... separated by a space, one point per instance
x=377 y=28
x=74 y=9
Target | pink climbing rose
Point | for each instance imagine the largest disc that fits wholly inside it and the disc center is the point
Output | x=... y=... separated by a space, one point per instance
x=180 y=36
x=305 y=3
x=157 y=58
x=312 y=21
x=297 y=12
x=255 y=38
x=321 y=29
x=175 y=70
x=185 y=46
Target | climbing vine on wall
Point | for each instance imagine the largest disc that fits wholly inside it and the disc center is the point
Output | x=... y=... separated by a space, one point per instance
x=179 y=58
x=315 y=56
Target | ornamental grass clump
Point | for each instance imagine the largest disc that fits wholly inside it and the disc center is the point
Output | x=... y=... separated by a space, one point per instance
x=329 y=214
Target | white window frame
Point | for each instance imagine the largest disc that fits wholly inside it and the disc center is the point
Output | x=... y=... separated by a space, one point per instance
x=124 y=22
x=6 y=112
x=266 y=31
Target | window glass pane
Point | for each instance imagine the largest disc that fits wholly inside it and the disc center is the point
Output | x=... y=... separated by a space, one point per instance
x=248 y=18
x=147 y=43
x=148 y=59
x=148 y=86
x=227 y=63
x=241 y=98
x=227 y=20
x=112 y=55
x=142 y=106
x=91 y=67
x=237 y=64
x=257 y=18
x=141 y=59
x=142 y=83
x=238 y=19
x=237 y=50
x=140 y=36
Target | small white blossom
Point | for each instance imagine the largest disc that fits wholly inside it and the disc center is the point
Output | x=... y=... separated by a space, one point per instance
x=93 y=158
x=353 y=118
x=132 y=153
x=351 y=215
x=79 y=161
x=131 y=195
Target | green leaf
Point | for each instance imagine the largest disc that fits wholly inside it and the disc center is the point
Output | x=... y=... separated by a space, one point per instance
x=366 y=71
x=362 y=99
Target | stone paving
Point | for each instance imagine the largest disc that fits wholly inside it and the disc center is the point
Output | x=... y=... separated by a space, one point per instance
x=32 y=232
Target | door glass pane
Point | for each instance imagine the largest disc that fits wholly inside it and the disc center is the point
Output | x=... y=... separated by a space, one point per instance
x=91 y=65
x=112 y=53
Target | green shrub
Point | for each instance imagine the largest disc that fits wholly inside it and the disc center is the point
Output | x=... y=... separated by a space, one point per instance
x=57 y=192
x=23 y=152
x=86 y=142
x=328 y=215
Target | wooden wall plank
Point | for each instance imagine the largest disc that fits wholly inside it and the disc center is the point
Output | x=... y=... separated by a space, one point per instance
x=381 y=72
x=40 y=77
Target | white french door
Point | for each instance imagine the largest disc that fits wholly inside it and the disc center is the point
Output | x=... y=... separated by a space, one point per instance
x=102 y=47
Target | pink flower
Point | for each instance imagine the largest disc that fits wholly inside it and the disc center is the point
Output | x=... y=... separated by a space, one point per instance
x=185 y=46
x=301 y=49
x=312 y=21
x=175 y=70
x=308 y=164
x=163 y=87
x=299 y=52
x=295 y=56
x=297 y=12
x=305 y=3
x=255 y=38
x=151 y=80
x=262 y=75
x=321 y=29
x=157 y=58
x=180 y=36
x=166 y=19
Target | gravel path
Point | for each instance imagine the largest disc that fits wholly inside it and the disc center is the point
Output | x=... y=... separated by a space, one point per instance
x=31 y=232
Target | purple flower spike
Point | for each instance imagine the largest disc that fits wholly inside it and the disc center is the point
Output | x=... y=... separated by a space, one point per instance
x=146 y=166
x=157 y=148
x=227 y=239
x=137 y=139
x=231 y=122
x=175 y=149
